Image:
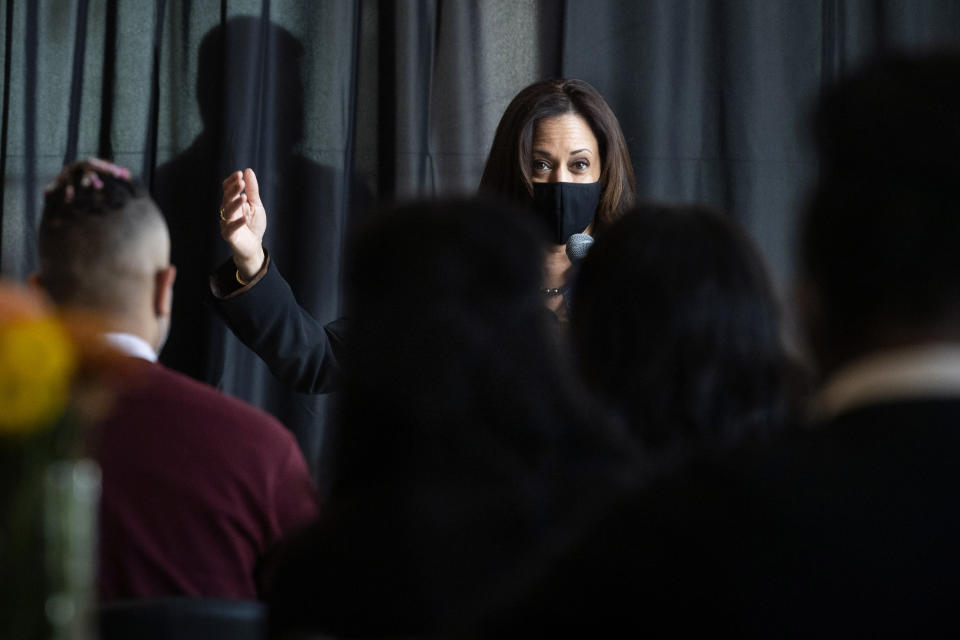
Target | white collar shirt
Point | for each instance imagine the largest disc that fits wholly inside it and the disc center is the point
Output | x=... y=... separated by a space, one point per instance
x=131 y=345
x=927 y=371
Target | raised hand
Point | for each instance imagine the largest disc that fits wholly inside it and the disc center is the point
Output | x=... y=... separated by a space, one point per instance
x=243 y=220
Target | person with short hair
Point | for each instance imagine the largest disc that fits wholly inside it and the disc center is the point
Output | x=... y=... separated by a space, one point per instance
x=198 y=487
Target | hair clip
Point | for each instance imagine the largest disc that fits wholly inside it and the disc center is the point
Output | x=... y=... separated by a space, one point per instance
x=91 y=169
x=116 y=171
x=91 y=179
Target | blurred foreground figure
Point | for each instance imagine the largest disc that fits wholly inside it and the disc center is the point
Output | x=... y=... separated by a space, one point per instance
x=197 y=486
x=677 y=330
x=462 y=441
x=848 y=527
x=875 y=546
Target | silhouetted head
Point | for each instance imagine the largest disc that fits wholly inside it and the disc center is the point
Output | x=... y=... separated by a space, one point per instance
x=104 y=247
x=879 y=239
x=253 y=65
x=676 y=327
x=513 y=166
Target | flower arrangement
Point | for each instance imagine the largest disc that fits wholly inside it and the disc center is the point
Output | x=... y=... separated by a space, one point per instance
x=42 y=368
x=37 y=362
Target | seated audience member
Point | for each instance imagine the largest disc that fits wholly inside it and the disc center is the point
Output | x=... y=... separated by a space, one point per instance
x=881 y=281
x=846 y=528
x=462 y=441
x=198 y=487
x=677 y=328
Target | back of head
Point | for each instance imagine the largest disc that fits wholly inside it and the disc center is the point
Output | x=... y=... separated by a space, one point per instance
x=101 y=240
x=457 y=368
x=507 y=173
x=676 y=326
x=463 y=439
x=880 y=234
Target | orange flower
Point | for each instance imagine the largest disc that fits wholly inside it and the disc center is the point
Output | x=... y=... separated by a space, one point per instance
x=37 y=362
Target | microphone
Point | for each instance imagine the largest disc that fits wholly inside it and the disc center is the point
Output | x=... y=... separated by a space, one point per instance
x=578 y=245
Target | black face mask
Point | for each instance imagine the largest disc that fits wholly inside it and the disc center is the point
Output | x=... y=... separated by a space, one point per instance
x=565 y=207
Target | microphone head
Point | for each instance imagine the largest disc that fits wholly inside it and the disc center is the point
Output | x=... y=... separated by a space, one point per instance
x=578 y=245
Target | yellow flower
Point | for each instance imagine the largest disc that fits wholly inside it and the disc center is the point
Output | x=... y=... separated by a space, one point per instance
x=37 y=363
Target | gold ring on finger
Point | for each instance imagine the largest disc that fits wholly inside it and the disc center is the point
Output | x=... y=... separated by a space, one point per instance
x=221 y=215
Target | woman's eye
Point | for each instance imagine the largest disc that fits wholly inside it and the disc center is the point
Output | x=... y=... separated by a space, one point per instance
x=579 y=165
x=540 y=166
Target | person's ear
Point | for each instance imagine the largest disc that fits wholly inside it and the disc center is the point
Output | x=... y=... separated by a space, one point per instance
x=163 y=291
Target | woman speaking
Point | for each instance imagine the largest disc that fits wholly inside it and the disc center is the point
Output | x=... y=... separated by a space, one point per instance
x=558 y=152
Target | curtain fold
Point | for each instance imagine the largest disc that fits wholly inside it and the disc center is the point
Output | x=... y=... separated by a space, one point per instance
x=5 y=111
x=338 y=104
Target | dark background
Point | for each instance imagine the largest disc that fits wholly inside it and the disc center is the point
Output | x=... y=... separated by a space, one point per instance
x=339 y=103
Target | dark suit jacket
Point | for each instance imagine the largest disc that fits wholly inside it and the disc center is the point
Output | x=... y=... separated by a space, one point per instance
x=303 y=353
x=864 y=532
x=198 y=487
x=848 y=528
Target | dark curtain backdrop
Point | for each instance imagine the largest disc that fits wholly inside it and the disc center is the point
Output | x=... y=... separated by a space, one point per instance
x=340 y=103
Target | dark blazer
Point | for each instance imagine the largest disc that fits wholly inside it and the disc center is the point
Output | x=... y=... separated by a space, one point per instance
x=848 y=527
x=305 y=354
x=198 y=487
x=862 y=523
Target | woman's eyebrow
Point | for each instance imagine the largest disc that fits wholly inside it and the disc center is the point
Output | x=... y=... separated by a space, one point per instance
x=581 y=151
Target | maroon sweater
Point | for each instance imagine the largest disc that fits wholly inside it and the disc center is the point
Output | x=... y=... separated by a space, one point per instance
x=197 y=488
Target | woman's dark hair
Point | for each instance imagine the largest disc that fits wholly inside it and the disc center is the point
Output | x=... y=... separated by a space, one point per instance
x=507 y=172
x=456 y=365
x=677 y=327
